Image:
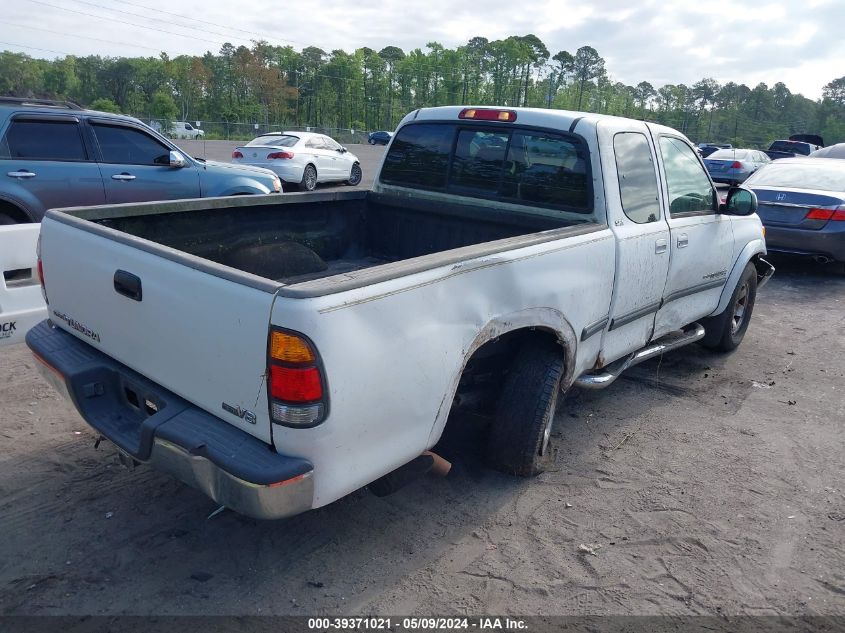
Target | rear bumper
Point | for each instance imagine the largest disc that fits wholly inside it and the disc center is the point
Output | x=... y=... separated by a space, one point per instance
x=828 y=241
x=290 y=174
x=154 y=426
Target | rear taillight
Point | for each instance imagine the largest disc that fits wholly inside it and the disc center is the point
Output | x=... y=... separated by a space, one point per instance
x=736 y=165
x=296 y=384
x=834 y=215
x=819 y=214
x=279 y=155
x=237 y=154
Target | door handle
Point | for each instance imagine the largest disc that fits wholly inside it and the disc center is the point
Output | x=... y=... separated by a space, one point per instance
x=21 y=174
x=683 y=240
x=123 y=177
x=660 y=246
x=128 y=285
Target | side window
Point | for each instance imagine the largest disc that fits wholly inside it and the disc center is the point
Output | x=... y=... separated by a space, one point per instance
x=689 y=187
x=478 y=161
x=44 y=140
x=547 y=170
x=419 y=156
x=330 y=143
x=313 y=143
x=637 y=178
x=128 y=146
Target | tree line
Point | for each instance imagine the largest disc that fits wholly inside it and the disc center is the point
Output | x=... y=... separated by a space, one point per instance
x=278 y=86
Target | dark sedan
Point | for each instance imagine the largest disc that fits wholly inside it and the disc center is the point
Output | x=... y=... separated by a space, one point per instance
x=379 y=138
x=802 y=205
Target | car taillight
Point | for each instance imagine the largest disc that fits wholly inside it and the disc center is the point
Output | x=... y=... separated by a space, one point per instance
x=736 y=165
x=488 y=114
x=838 y=214
x=237 y=154
x=819 y=214
x=295 y=380
x=279 y=155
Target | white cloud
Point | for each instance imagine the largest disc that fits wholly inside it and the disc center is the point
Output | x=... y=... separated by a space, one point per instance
x=794 y=41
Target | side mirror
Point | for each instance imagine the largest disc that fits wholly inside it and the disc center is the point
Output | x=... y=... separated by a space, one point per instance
x=343 y=150
x=740 y=202
x=177 y=161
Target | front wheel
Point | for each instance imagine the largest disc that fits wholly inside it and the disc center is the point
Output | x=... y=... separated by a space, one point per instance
x=6 y=220
x=724 y=332
x=309 y=179
x=522 y=425
x=371 y=141
x=355 y=175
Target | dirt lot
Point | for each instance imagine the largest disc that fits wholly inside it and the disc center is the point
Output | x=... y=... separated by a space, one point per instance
x=703 y=483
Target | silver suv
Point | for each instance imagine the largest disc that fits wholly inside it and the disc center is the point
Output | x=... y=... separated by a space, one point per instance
x=57 y=154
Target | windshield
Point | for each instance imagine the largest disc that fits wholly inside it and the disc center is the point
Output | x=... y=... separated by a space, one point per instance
x=790 y=146
x=274 y=141
x=729 y=154
x=819 y=175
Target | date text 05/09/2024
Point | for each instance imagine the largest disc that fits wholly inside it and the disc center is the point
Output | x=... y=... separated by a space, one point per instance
x=417 y=624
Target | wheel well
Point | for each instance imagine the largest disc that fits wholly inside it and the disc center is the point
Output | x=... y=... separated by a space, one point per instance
x=14 y=212
x=467 y=426
x=486 y=369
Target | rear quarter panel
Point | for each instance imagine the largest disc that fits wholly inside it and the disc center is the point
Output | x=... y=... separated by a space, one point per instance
x=394 y=351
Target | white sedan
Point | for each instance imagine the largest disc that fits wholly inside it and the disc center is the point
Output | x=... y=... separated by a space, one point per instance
x=301 y=158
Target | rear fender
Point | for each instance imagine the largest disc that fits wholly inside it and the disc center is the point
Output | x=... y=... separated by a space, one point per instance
x=546 y=319
x=751 y=250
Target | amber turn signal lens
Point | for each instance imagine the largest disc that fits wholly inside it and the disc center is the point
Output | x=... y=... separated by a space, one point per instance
x=290 y=349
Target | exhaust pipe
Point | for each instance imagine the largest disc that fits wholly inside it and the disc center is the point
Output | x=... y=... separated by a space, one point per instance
x=822 y=259
x=405 y=474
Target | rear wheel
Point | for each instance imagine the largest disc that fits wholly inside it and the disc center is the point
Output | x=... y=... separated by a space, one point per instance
x=522 y=425
x=724 y=332
x=6 y=219
x=309 y=178
x=371 y=141
x=355 y=175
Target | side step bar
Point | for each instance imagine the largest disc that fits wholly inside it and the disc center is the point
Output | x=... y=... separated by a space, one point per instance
x=673 y=340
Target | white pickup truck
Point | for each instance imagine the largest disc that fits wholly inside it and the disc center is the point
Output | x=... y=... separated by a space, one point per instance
x=280 y=353
x=21 y=303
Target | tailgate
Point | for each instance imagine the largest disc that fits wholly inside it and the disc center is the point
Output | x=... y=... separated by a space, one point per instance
x=202 y=336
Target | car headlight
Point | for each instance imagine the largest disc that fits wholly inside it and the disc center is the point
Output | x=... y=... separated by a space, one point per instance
x=277 y=185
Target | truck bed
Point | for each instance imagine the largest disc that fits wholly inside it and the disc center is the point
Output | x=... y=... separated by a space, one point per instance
x=297 y=238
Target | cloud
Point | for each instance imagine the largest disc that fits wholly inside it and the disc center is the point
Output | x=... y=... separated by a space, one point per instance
x=656 y=41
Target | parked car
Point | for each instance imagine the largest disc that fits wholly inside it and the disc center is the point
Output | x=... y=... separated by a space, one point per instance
x=831 y=151
x=796 y=145
x=733 y=166
x=57 y=154
x=319 y=345
x=802 y=206
x=301 y=158
x=705 y=149
x=379 y=138
x=184 y=130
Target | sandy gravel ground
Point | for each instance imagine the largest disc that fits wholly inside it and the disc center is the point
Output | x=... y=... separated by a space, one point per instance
x=703 y=484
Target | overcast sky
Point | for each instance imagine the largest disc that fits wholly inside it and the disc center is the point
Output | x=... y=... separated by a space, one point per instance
x=799 y=42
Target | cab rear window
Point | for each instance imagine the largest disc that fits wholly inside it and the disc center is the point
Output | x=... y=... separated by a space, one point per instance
x=512 y=164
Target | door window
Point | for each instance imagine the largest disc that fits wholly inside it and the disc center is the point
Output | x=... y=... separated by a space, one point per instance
x=44 y=140
x=128 y=146
x=331 y=144
x=637 y=178
x=690 y=190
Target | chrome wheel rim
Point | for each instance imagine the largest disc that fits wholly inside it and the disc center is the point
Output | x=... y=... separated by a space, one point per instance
x=740 y=308
x=310 y=179
x=355 y=177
